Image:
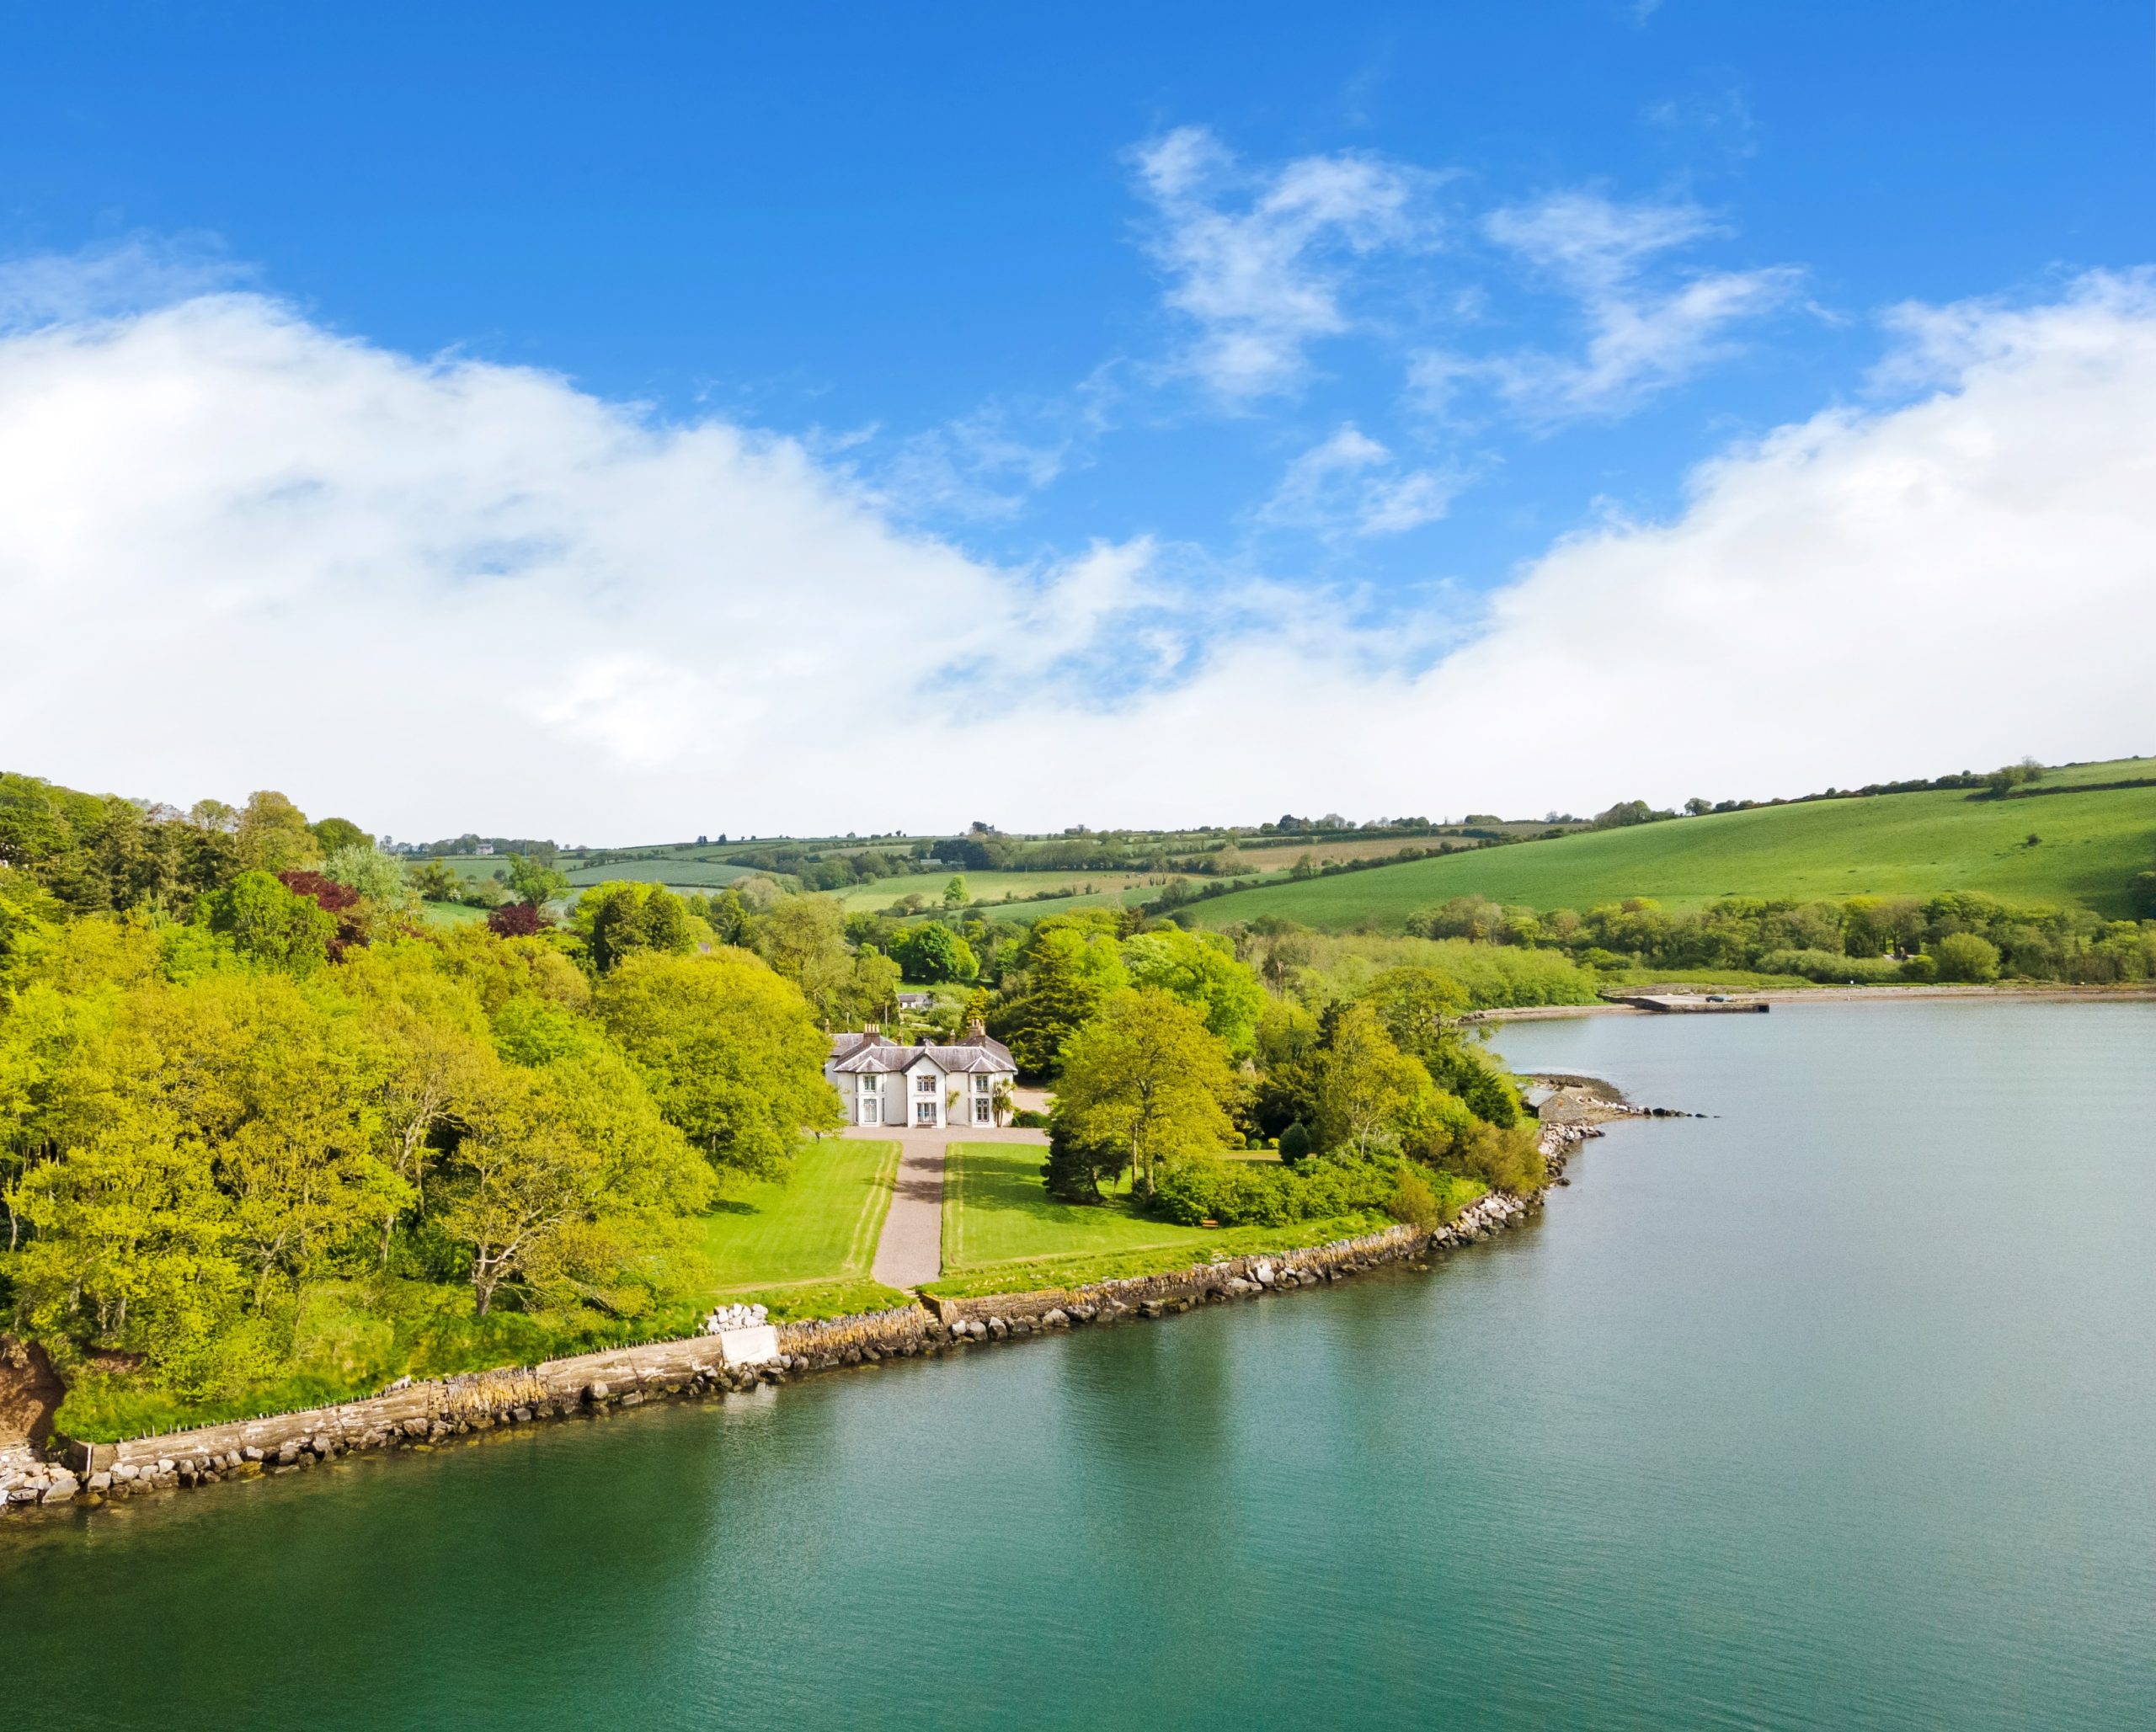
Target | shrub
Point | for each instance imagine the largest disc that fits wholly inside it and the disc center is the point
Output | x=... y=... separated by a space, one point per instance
x=1503 y=1157
x=1254 y=1194
x=1920 y=968
x=2141 y=892
x=1026 y=1119
x=1294 y=1144
x=1413 y=1202
x=1963 y=955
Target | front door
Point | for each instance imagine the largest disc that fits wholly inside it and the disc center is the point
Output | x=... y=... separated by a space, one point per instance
x=924 y=1112
x=872 y=1109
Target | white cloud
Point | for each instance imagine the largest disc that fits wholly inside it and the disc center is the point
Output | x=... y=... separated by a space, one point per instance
x=242 y=551
x=1642 y=336
x=1349 y=484
x=1261 y=263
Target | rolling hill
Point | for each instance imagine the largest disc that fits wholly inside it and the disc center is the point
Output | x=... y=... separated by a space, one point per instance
x=2089 y=841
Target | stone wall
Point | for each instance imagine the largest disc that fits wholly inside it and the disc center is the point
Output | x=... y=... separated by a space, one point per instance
x=422 y=1415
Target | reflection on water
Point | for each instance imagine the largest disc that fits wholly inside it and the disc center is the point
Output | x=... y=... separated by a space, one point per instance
x=1837 y=1409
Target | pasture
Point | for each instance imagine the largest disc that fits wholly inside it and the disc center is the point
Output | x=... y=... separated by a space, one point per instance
x=679 y=872
x=1077 y=888
x=2087 y=844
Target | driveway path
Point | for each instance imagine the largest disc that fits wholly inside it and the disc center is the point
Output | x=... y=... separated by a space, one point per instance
x=910 y=1252
x=911 y=1249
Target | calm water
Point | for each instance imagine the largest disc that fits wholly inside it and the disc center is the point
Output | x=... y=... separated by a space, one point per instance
x=1837 y=1410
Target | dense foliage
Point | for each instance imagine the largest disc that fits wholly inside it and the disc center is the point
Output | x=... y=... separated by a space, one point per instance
x=1861 y=938
x=254 y=1114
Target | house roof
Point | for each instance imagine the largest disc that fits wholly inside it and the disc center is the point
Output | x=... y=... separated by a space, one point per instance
x=870 y=1056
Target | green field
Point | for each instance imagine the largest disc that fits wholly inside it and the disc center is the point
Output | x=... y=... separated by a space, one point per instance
x=819 y=1225
x=990 y=887
x=1003 y=1233
x=1890 y=845
x=680 y=874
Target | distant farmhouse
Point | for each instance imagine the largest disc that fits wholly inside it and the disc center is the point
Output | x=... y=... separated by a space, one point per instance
x=926 y=1087
x=917 y=1001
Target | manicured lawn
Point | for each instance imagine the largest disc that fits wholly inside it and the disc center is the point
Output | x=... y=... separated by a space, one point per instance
x=818 y=1226
x=1000 y=1227
x=1890 y=845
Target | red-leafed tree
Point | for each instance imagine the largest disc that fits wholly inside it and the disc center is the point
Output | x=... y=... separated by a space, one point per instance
x=515 y=919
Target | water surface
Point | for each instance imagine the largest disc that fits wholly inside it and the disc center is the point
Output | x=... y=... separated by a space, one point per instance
x=1836 y=1409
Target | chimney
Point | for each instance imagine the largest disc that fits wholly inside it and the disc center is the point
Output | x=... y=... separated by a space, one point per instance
x=976 y=1032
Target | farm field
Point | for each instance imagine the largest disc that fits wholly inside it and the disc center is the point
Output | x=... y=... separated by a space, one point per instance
x=818 y=1226
x=1892 y=844
x=988 y=887
x=1002 y=1231
x=681 y=872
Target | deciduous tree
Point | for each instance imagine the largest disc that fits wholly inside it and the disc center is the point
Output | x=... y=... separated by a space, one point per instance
x=1147 y=1075
x=730 y=1052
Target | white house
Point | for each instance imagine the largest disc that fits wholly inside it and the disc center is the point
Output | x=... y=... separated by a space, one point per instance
x=882 y=1083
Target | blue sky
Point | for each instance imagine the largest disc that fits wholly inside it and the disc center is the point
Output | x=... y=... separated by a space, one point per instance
x=1368 y=307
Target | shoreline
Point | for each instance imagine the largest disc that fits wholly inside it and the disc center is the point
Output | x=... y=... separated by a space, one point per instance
x=425 y=1415
x=1740 y=997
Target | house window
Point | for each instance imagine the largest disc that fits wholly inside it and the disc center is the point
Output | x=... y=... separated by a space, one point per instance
x=980 y=1085
x=924 y=1084
x=980 y=1109
x=924 y=1112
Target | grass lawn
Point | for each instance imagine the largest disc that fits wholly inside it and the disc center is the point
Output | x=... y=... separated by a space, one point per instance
x=819 y=1225
x=1003 y=1233
x=1890 y=845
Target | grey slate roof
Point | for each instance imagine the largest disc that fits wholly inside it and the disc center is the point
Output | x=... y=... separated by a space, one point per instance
x=972 y=1056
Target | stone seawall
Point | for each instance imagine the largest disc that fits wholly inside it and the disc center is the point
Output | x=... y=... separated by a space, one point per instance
x=423 y=1414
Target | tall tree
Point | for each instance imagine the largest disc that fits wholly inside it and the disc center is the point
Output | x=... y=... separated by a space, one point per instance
x=731 y=1052
x=271 y=924
x=1147 y=1075
x=536 y=882
x=804 y=939
x=273 y=836
x=1366 y=1085
x=1200 y=969
x=621 y=919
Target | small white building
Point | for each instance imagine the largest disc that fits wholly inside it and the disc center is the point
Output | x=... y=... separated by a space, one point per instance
x=926 y=1087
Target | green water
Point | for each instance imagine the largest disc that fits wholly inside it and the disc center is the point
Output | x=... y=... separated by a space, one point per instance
x=1836 y=1410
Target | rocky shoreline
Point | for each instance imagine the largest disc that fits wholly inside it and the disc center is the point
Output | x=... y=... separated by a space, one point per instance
x=423 y=1416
